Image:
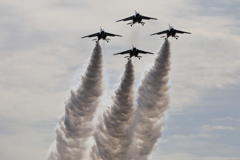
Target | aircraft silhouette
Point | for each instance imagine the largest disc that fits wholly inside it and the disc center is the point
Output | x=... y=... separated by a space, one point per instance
x=137 y=18
x=133 y=52
x=102 y=35
x=170 y=32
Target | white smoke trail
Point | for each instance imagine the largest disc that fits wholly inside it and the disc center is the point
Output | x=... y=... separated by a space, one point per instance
x=112 y=136
x=152 y=101
x=75 y=126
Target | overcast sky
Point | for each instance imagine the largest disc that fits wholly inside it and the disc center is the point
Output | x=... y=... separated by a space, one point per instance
x=42 y=58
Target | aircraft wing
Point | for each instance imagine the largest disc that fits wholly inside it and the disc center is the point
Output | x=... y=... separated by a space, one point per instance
x=91 y=35
x=144 y=52
x=124 y=52
x=126 y=19
x=162 y=32
x=177 y=31
x=144 y=17
x=113 y=35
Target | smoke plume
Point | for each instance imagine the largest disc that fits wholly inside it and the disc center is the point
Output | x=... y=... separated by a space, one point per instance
x=113 y=137
x=75 y=125
x=152 y=101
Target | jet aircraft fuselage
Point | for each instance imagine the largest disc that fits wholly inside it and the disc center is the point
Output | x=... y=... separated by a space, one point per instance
x=137 y=18
x=133 y=52
x=171 y=32
x=102 y=35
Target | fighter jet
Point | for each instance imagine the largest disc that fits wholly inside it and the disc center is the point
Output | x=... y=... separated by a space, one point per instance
x=136 y=18
x=102 y=35
x=133 y=52
x=170 y=32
